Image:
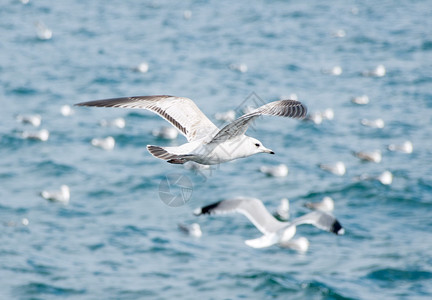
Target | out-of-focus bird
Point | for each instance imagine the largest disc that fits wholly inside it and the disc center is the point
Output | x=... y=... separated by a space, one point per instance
x=377 y=123
x=41 y=135
x=193 y=229
x=117 y=122
x=326 y=205
x=372 y=156
x=107 y=143
x=34 y=120
x=405 y=147
x=361 y=100
x=337 y=168
x=166 y=133
x=275 y=171
x=62 y=196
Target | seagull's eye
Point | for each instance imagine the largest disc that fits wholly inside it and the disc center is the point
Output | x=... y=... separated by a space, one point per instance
x=257 y=145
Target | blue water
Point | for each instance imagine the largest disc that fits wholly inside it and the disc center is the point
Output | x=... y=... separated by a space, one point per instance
x=117 y=240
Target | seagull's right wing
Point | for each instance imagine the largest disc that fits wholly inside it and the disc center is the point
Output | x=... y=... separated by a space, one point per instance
x=252 y=208
x=179 y=111
x=322 y=221
x=281 y=108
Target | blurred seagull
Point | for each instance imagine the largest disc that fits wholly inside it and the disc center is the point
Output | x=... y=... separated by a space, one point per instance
x=373 y=156
x=328 y=114
x=274 y=231
x=193 y=229
x=315 y=117
x=142 y=67
x=227 y=116
x=301 y=244
x=207 y=144
x=282 y=211
x=66 y=110
x=361 y=100
x=62 y=196
x=107 y=143
x=338 y=168
x=335 y=71
x=340 y=33
x=386 y=177
x=242 y=68
x=34 y=120
x=41 y=135
x=166 y=133
x=406 y=147
x=275 y=171
x=117 y=122
x=42 y=31
x=326 y=205
x=377 y=123
x=379 y=71
x=187 y=14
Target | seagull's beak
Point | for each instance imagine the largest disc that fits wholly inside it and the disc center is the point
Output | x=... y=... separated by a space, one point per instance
x=266 y=150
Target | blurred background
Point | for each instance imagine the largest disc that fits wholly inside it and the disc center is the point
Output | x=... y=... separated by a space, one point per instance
x=363 y=69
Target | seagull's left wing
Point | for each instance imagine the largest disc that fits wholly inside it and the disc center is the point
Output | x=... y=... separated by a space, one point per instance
x=282 y=108
x=181 y=112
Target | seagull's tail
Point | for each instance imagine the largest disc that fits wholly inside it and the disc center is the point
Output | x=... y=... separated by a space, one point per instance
x=162 y=153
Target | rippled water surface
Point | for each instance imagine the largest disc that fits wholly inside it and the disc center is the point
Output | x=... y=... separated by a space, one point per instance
x=117 y=240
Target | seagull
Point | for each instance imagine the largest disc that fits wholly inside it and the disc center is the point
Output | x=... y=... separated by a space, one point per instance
x=338 y=168
x=166 y=133
x=66 y=110
x=34 y=120
x=193 y=230
x=62 y=196
x=361 y=100
x=282 y=212
x=107 y=143
x=326 y=205
x=117 y=122
x=406 y=147
x=42 y=31
x=385 y=178
x=207 y=144
x=227 y=116
x=275 y=171
x=41 y=135
x=373 y=156
x=274 y=231
x=377 y=123
x=379 y=71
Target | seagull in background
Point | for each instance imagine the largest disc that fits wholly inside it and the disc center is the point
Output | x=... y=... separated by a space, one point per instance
x=274 y=231
x=326 y=205
x=207 y=144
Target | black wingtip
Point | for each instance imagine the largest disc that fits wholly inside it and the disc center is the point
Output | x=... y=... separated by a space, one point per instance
x=337 y=228
x=206 y=210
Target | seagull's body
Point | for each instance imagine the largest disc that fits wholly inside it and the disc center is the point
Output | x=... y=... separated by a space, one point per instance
x=62 y=196
x=275 y=171
x=275 y=232
x=207 y=144
x=337 y=168
x=326 y=205
x=107 y=143
x=34 y=120
x=41 y=135
x=193 y=229
x=406 y=147
x=372 y=156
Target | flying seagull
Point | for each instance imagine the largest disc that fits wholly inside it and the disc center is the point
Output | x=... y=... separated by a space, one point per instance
x=207 y=144
x=275 y=232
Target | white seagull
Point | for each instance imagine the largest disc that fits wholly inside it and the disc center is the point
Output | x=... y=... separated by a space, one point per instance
x=193 y=229
x=372 y=156
x=275 y=232
x=207 y=144
x=62 y=196
x=337 y=168
x=406 y=147
x=275 y=171
x=326 y=204
x=282 y=212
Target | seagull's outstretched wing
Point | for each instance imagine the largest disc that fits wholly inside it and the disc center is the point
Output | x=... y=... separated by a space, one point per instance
x=252 y=208
x=322 y=221
x=179 y=111
x=282 y=108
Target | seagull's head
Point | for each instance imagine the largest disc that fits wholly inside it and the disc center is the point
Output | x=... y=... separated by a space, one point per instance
x=257 y=147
